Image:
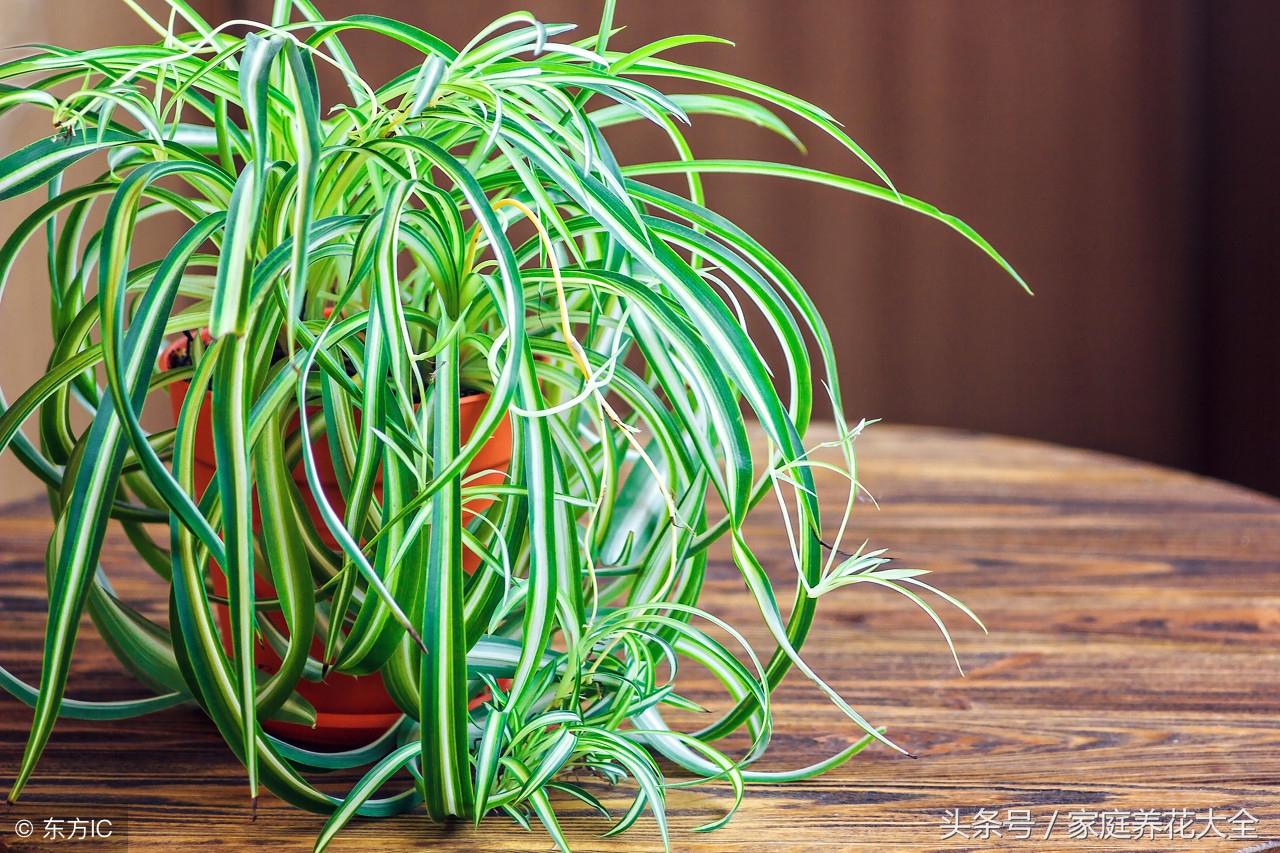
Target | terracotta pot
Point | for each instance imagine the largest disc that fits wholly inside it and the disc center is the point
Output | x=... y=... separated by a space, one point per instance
x=350 y=710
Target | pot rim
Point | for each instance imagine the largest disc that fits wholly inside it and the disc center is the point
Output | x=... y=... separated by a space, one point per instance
x=174 y=346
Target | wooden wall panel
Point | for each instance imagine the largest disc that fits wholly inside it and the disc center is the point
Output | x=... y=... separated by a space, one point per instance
x=1061 y=130
x=1109 y=147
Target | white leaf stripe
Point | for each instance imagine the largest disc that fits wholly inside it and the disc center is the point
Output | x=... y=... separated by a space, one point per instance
x=464 y=227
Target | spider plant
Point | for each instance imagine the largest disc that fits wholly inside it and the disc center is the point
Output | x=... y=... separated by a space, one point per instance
x=357 y=269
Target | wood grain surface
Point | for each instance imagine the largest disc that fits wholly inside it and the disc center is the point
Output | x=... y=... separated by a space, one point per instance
x=1132 y=666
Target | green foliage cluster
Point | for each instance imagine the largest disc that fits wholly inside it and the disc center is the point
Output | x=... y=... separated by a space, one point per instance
x=462 y=227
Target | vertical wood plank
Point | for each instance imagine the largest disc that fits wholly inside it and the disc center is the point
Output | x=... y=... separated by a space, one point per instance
x=1239 y=344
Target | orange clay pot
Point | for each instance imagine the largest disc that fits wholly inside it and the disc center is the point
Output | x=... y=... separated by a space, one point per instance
x=350 y=710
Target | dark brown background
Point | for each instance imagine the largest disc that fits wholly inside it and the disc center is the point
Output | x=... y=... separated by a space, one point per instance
x=1121 y=153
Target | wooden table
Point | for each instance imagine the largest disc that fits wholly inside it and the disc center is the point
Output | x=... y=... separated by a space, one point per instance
x=1133 y=664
